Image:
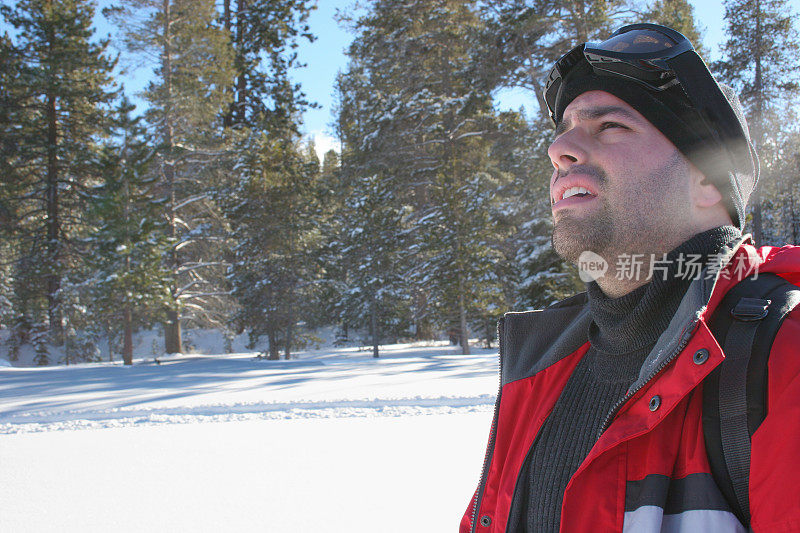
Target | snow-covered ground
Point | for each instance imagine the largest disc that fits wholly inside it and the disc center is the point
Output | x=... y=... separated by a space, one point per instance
x=333 y=440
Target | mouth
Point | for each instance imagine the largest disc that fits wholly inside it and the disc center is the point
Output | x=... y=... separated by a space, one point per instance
x=572 y=197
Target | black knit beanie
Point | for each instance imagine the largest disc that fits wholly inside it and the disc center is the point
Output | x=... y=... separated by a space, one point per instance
x=733 y=169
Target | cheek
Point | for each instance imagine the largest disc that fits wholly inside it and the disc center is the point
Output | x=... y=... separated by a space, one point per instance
x=655 y=191
x=632 y=160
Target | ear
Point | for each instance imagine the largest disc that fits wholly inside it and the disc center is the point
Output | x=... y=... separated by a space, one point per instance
x=704 y=193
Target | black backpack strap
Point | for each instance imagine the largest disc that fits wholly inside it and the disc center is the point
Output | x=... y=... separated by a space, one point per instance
x=735 y=394
x=735 y=437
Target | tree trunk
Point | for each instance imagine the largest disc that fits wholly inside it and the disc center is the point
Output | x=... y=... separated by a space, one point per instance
x=373 y=327
x=462 y=322
x=173 y=343
x=110 y=343
x=274 y=354
x=127 y=314
x=53 y=223
x=228 y=341
x=127 y=332
x=424 y=330
x=459 y=255
x=227 y=119
x=226 y=14
x=287 y=348
x=172 y=333
x=241 y=82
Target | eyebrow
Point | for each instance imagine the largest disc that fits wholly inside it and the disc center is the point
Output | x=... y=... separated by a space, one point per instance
x=594 y=113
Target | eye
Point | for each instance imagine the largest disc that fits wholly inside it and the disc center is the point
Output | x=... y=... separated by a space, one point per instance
x=609 y=125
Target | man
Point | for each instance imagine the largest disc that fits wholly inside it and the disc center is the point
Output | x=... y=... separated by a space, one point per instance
x=599 y=422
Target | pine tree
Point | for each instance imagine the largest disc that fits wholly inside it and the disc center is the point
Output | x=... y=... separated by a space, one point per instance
x=193 y=62
x=270 y=196
x=272 y=210
x=760 y=62
x=366 y=231
x=12 y=114
x=130 y=284
x=333 y=222
x=10 y=65
x=416 y=117
x=58 y=104
x=264 y=34
x=370 y=245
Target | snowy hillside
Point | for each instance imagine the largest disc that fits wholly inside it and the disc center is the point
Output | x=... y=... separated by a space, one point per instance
x=331 y=441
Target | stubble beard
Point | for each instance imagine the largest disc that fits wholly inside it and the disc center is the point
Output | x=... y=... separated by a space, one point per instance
x=574 y=235
x=637 y=228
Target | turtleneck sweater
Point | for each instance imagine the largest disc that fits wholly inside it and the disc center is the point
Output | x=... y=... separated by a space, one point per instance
x=622 y=333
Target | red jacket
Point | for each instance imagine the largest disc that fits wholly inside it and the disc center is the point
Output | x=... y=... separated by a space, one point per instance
x=649 y=470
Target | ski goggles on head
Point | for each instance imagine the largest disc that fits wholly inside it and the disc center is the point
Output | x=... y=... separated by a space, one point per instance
x=657 y=58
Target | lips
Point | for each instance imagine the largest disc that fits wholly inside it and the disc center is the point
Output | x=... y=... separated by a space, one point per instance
x=572 y=201
x=572 y=190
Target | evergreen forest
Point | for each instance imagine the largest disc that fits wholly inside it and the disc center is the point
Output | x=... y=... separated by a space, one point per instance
x=207 y=208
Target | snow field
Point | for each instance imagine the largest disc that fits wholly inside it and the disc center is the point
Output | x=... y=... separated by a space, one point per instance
x=381 y=474
x=332 y=441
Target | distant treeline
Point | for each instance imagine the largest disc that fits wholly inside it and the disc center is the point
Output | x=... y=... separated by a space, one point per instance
x=208 y=210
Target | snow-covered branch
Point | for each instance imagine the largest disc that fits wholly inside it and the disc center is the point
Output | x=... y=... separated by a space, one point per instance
x=191 y=200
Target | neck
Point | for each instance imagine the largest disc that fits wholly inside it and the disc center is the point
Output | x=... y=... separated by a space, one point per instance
x=634 y=320
x=629 y=270
x=626 y=273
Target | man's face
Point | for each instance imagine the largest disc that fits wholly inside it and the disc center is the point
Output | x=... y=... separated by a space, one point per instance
x=619 y=185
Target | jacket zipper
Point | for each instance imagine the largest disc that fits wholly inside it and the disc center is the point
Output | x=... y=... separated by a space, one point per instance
x=632 y=392
x=492 y=431
x=661 y=367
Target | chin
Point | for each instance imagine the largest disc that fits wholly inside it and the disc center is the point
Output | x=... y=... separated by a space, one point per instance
x=573 y=237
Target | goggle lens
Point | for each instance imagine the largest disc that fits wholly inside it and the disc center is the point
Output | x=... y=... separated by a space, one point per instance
x=639 y=41
x=632 y=52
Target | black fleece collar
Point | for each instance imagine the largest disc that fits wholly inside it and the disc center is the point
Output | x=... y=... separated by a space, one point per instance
x=634 y=322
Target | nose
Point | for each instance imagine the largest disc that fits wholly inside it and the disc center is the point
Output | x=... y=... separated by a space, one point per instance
x=568 y=149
